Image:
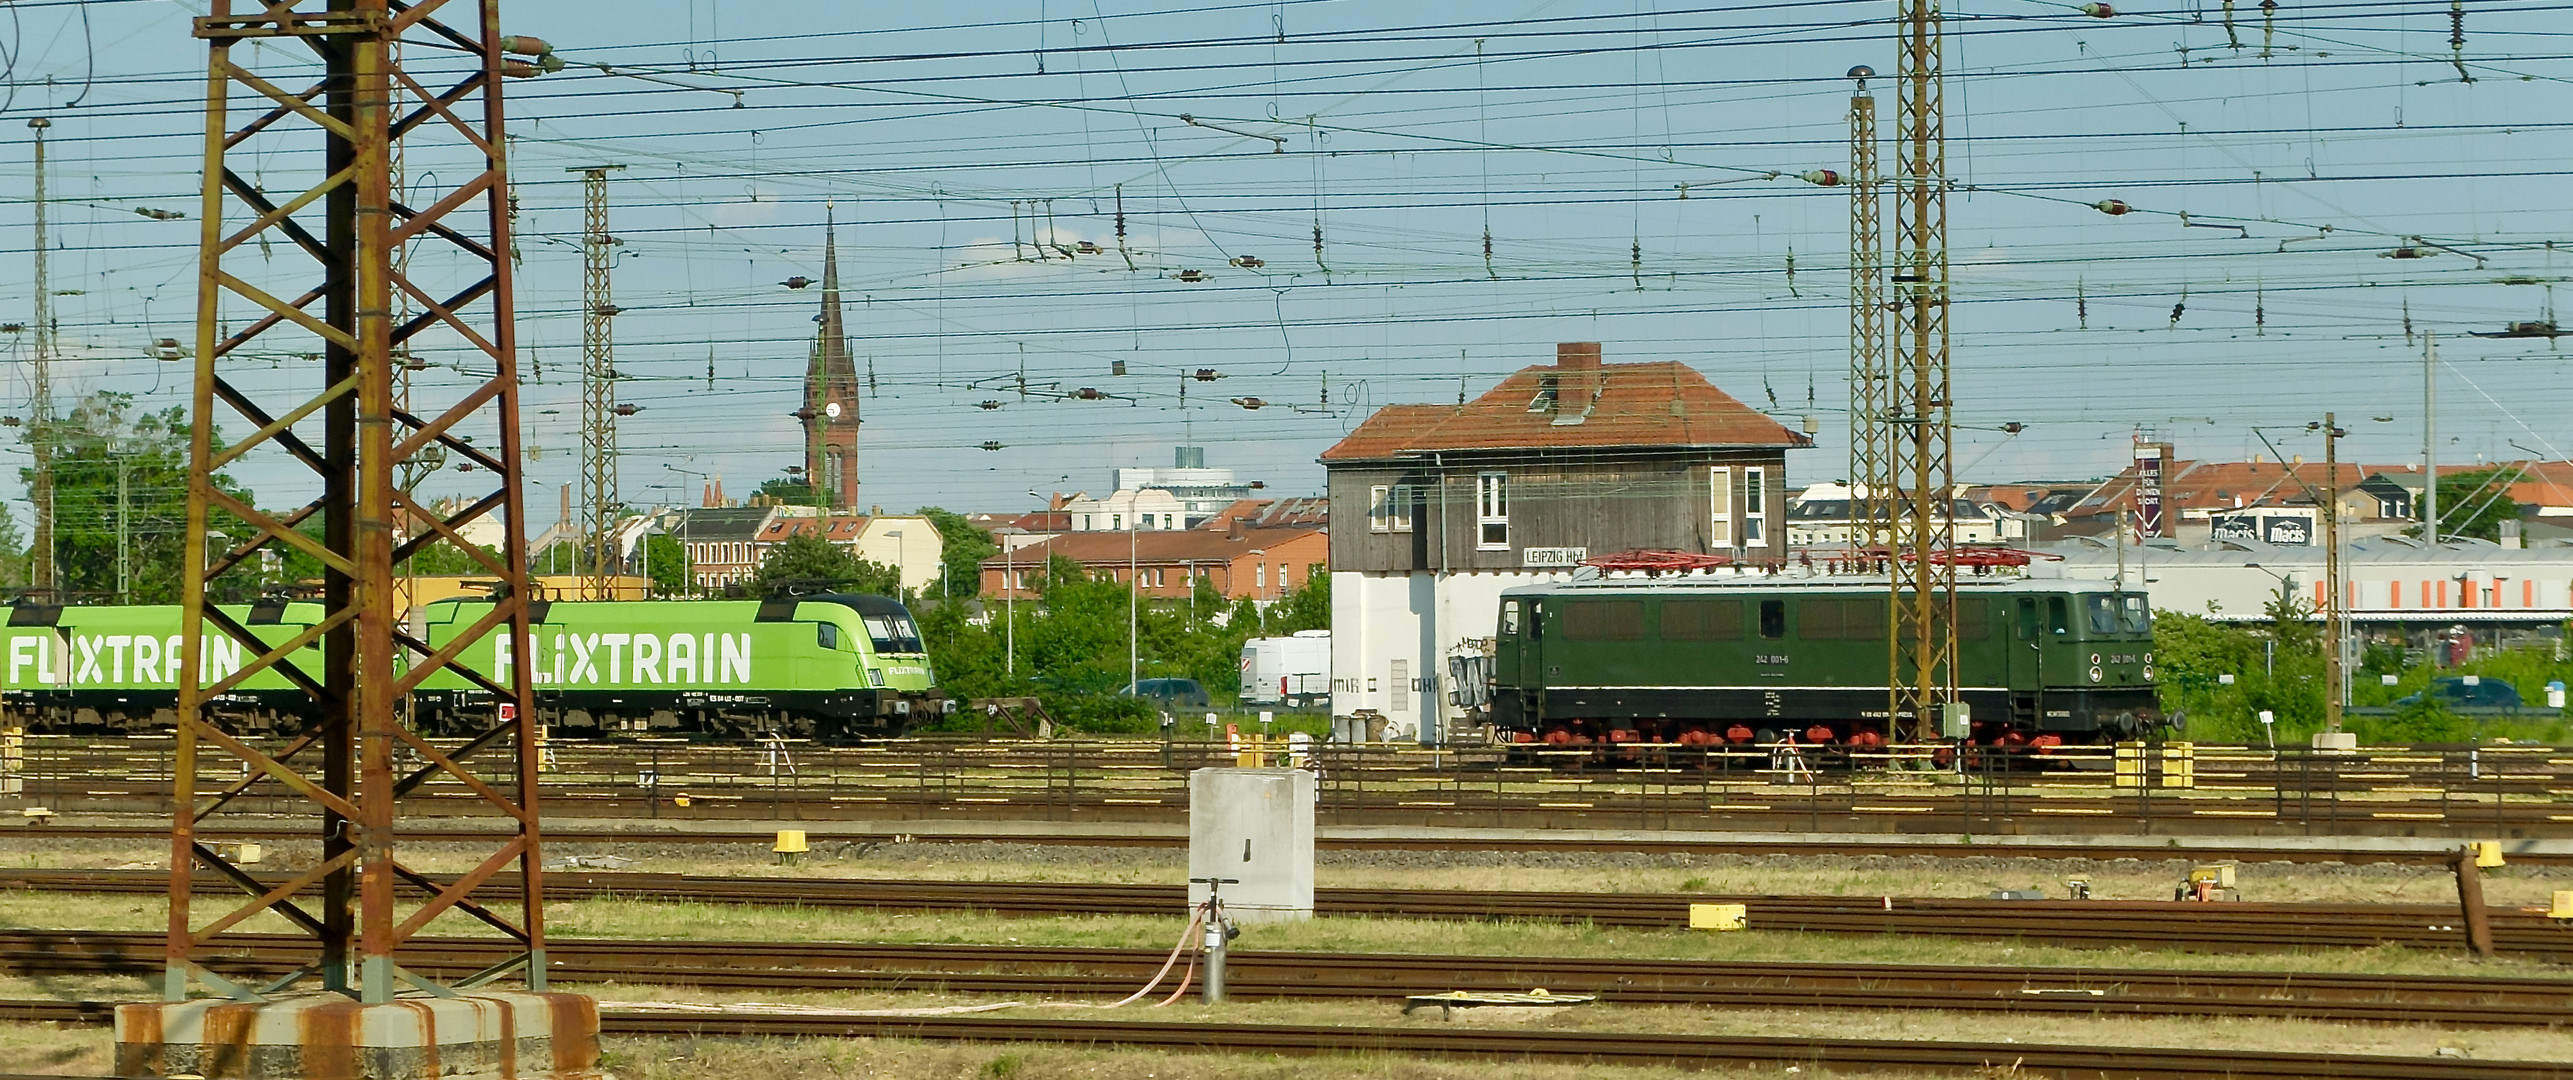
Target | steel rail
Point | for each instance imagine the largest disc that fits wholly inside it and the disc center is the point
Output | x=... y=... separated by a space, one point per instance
x=638 y=831
x=1031 y=970
x=2219 y=927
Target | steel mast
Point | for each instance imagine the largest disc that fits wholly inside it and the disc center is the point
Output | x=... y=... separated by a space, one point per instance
x=1919 y=420
x=40 y=408
x=600 y=503
x=330 y=431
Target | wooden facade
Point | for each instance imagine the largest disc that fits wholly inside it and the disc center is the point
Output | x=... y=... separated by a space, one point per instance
x=1433 y=515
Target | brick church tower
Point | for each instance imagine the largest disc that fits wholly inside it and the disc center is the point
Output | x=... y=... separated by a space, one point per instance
x=830 y=411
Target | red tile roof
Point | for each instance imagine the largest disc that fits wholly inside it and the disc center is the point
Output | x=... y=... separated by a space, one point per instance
x=1660 y=404
x=1311 y=510
x=1159 y=547
x=832 y=527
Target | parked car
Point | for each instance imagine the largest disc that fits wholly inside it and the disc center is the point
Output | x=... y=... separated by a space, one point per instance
x=2462 y=692
x=1169 y=693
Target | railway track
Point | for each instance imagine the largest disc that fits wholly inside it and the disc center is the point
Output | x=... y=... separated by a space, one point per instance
x=2468 y=792
x=1793 y=809
x=2226 y=927
x=1577 y=1047
x=1083 y=972
x=823 y=835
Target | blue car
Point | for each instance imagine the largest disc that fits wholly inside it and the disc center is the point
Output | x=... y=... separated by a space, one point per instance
x=2455 y=692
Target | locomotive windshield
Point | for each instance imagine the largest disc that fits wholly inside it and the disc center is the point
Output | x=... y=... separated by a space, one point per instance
x=2103 y=613
x=2137 y=614
x=892 y=633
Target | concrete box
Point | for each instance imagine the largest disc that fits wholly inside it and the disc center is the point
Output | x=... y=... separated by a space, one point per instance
x=324 y=1036
x=1255 y=825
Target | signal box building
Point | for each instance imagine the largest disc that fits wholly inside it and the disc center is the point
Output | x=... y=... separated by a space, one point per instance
x=1437 y=508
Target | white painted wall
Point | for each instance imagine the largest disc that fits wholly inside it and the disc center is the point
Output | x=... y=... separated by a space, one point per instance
x=1419 y=619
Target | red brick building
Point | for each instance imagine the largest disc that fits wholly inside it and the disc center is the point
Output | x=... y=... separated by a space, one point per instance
x=1241 y=563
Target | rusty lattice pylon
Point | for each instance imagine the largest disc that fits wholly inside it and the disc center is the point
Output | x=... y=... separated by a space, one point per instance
x=317 y=405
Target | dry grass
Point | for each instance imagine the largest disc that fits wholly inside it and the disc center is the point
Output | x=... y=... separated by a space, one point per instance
x=1923 y=876
x=37 y=1048
x=627 y=919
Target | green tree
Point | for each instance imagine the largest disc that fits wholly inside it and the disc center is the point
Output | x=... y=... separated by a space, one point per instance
x=961 y=551
x=445 y=558
x=120 y=472
x=2474 y=504
x=665 y=561
x=1306 y=608
x=792 y=490
x=13 y=550
x=806 y=559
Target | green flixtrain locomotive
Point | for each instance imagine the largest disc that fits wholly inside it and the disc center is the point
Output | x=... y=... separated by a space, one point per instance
x=1751 y=657
x=830 y=667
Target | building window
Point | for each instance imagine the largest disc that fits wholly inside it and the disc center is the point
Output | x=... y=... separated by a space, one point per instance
x=1755 y=506
x=1545 y=399
x=1116 y=522
x=1492 y=511
x=1380 y=508
x=1259 y=575
x=1719 y=501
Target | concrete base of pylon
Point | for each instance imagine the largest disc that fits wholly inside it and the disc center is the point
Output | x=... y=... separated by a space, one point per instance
x=323 y=1036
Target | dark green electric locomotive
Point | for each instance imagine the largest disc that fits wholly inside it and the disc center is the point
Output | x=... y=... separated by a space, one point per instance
x=1710 y=659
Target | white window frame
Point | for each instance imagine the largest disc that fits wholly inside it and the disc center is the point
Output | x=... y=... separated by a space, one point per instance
x=1755 y=506
x=1380 y=508
x=1719 y=501
x=1491 y=508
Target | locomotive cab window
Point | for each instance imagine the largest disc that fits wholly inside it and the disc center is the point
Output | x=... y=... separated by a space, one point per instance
x=826 y=635
x=1773 y=619
x=1509 y=618
x=2135 y=613
x=2059 y=616
x=2027 y=618
x=892 y=633
x=2102 y=611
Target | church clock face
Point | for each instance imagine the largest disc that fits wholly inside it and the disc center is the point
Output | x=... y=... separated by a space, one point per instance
x=832 y=410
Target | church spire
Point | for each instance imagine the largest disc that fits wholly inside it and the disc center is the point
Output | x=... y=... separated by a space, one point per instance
x=830 y=410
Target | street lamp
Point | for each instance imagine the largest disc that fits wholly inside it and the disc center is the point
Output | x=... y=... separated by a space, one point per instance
x=2269 y=645
x=2335 y=600
x=687 y=555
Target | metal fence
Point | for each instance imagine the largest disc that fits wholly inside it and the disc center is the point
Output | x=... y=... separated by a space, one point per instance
x=2487 y=791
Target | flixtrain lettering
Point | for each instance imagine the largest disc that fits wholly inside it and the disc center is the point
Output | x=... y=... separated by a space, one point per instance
x=566 y=659
x=114 y=660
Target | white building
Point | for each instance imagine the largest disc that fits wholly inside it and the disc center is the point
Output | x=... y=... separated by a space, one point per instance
x=1818 y=517
x=2391 y=584
x=1149 y=509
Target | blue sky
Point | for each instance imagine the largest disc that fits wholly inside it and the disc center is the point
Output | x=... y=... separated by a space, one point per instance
x=1633 y=165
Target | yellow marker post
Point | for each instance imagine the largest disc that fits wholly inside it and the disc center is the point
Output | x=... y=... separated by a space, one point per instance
x=2488 y=854
x=790 y=846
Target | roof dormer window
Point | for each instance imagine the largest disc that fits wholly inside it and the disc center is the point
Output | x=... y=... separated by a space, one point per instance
x=1545 y=399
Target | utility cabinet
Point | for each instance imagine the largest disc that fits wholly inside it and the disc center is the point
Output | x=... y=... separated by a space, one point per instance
x=1255 y=825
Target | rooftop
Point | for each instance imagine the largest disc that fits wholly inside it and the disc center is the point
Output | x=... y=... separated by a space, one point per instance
x=1574 y=403
x=1161 y=547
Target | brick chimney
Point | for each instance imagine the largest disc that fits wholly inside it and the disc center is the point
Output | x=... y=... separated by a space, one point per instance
x=1577 y=376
